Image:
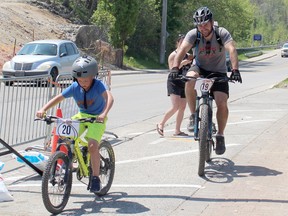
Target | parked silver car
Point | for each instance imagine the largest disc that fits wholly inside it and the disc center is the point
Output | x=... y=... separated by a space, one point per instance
x=284 y=50
x=42 y=57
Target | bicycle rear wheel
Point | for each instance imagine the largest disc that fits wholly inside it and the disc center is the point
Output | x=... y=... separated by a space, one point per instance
x=107 y=166
x=204 y=150
x=56 y=182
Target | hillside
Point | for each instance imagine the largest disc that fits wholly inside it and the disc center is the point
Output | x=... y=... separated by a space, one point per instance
x=22 y=22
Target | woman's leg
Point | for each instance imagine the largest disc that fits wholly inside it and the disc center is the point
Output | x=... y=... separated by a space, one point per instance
x=179 y=118
x=174 y=100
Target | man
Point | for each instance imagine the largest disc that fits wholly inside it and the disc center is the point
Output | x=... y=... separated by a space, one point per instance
x=210 y=57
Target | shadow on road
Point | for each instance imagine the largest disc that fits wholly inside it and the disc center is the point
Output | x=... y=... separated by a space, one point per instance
x=223 y=170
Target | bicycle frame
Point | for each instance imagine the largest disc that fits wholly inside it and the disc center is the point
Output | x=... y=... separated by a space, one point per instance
x=72 y=149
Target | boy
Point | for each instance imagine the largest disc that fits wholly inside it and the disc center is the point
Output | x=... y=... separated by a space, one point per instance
x=94 y=100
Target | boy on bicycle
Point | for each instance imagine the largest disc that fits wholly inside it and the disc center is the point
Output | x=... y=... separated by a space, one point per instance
x=94 y=100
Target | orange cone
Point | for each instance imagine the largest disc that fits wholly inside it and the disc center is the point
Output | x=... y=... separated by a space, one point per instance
x=56 y=137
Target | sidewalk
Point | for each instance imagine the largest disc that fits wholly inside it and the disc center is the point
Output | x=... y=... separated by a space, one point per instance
x=253 y=182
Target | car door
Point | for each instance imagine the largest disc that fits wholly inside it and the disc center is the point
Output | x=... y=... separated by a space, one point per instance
x=63 y=58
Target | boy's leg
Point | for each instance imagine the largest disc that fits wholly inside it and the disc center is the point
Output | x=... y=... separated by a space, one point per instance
x=95 y=157
x=95 y=164
x=94 y=135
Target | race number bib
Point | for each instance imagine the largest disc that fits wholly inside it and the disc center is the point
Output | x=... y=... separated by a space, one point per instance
x=67 y=128
x=203 y=85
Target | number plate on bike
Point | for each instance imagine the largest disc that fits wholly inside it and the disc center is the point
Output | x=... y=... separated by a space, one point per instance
x=67 y=128
x=203 y=85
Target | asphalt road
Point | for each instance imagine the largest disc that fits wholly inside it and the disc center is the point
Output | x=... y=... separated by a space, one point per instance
x=158 y=176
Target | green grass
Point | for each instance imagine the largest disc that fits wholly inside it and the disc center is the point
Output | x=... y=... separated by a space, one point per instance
x=149 y=63
x=142 y=63
x=283 y=84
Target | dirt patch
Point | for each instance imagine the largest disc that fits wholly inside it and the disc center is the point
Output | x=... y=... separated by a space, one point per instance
x=22 y=23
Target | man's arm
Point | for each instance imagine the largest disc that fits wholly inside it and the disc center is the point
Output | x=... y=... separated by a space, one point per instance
x=181 y=52
x=231 y=48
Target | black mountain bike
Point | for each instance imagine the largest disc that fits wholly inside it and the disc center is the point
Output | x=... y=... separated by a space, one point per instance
x=204 y=127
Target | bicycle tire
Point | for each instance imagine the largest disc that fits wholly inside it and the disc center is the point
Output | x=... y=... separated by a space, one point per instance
x=107 y=167
x=57 y=177
x=203 y=139
x=209 y=151
x=210 y=142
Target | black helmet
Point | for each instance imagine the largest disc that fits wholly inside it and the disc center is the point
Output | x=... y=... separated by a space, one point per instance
x=84 y=66
x=202 y=16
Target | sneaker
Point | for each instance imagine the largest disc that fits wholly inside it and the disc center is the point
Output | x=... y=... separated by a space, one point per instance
x=220 y=145
x=190 y=126
x=95 y=184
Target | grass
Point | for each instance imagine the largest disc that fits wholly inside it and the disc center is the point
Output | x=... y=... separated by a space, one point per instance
x=283 y=84
x=142 y=63
x=149 y=63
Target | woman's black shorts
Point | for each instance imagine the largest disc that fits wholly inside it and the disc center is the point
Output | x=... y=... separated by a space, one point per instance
x=176 y=87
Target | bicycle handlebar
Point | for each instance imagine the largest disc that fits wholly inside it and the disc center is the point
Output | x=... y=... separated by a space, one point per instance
x=49 y=119
x=214 y=78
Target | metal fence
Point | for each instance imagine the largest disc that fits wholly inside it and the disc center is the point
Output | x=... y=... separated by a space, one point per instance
x=20 y=98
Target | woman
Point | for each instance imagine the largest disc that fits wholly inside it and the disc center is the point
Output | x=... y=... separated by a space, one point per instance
x=176 y=91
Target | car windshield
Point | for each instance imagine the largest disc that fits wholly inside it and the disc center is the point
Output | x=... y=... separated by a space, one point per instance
x=39 y=49
x=285 y=46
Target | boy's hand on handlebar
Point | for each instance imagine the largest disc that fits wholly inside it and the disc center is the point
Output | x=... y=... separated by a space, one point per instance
x=100 y=118
x=235 y=75
x=174 y=73
x=41 y=114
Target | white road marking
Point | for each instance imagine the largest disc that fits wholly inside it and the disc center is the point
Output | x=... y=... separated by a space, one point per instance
x=258 y=110
x=164 y=155
x=244 y=122
x=157 y=141
x=121 y=185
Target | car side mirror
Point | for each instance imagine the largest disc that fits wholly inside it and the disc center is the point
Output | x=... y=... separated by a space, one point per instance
x=63 y=54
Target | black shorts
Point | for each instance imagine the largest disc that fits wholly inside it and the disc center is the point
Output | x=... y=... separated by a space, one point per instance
x=176 y=87
x=217 y=86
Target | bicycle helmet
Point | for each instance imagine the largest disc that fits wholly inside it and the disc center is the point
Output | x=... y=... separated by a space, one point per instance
x=202 y=15
x=84 y=66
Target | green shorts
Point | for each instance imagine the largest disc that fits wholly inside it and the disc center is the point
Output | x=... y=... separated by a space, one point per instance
x=95 y=130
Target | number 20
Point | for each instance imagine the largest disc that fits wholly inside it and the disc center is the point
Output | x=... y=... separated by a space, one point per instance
x=66 y=129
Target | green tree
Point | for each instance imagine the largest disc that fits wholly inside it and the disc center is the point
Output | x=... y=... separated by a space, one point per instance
x=103 y=19
x=126 y=14
x=146 y=39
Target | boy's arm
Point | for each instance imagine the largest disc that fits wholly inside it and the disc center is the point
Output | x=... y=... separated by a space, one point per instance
x=53 y=102
x=109 y=102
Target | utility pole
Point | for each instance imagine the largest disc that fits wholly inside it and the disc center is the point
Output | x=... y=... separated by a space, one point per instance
x=163 y=32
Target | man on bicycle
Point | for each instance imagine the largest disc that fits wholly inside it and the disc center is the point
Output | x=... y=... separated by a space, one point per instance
x=94 y=100
x=210 y=57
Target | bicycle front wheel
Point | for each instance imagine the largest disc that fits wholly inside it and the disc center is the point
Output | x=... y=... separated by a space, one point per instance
x=56 y=182
x=203 y=139
x=107 y=166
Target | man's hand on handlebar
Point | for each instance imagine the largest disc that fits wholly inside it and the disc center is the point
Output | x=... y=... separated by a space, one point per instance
x=174 y=73
x=235 y=75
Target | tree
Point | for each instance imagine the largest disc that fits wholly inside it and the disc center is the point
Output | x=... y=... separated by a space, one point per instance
x=146 y=39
